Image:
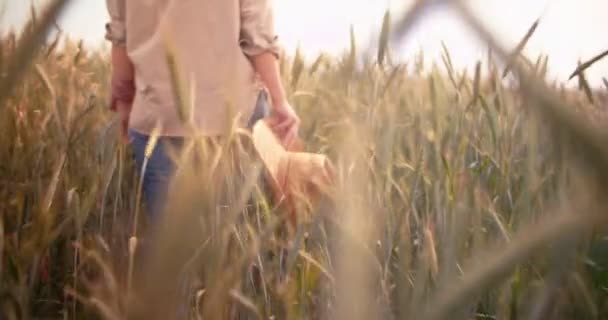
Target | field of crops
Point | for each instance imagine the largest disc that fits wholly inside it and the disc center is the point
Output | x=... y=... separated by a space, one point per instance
x=457 y=197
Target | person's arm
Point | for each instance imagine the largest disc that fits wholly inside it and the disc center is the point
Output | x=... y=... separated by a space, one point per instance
x=266 y=66
x=259 y=43
x=122 y=88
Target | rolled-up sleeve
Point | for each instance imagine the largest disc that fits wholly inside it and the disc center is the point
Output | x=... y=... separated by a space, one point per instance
x=116 y=27
x=257 y=28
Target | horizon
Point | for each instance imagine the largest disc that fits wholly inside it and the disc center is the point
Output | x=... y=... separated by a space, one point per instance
x=568 y=31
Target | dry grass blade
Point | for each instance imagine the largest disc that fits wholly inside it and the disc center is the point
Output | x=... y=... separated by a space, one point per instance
x=293 y=251
x=79 y=53
x=321 y=59
x=51 y=190
x=431 y=252
x=317 y=264
x=297 y=68
x=584 y=85
x=447 y=61
x=27 y=47
x=500 y=225
x=448 y=57
x=544 y=67
x=182 y=103
x=33 y=15
x=109 y=174
x=384 y=37
x=53 y=45
x=463 y=81
x=353 y=49
x=245 y=302
x=391 y=78
x=53 y=99
x=582 y=67
x=520 y=47
x=580 y=82
x=476 y=86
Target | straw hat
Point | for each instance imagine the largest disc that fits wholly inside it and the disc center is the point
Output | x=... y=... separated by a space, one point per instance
x=295 y=176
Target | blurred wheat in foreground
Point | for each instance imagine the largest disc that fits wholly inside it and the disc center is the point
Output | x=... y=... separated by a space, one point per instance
x=458 y=196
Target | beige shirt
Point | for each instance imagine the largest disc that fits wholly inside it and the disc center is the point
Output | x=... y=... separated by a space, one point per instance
x=210 y=42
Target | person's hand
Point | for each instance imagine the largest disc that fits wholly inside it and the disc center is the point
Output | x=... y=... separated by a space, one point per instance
x=285 y=123
x=124 y=112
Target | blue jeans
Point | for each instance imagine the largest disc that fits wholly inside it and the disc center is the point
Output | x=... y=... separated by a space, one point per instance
x=157 y=176
x=160 y=167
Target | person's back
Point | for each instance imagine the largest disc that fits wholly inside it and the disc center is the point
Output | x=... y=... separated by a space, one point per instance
x=210 y=41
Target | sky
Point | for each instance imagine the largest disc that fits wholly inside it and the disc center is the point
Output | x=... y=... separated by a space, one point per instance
x=569 y=30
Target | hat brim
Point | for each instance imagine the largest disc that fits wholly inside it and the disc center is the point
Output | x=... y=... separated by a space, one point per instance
x=268 y=148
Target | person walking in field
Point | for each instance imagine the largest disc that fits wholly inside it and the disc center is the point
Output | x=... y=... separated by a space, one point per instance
x=226 y=52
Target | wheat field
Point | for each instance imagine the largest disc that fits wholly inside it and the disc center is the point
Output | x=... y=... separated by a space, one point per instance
x=460 y=194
